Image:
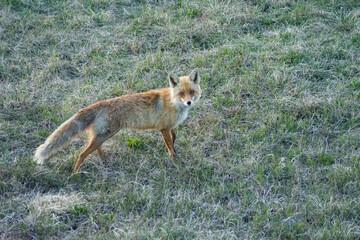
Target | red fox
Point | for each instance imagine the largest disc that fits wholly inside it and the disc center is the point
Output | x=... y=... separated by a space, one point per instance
x=162 y=110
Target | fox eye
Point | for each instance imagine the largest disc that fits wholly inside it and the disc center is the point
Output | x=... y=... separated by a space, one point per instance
x=192 y=92
x=181 y=93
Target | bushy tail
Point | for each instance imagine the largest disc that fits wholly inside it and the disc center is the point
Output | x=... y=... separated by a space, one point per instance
x=64 y=133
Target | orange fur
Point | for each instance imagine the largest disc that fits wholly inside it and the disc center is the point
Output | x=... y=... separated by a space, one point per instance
x=162 y=110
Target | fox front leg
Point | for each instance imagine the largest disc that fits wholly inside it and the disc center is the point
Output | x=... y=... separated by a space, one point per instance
x=167 y=136
x=173 y=136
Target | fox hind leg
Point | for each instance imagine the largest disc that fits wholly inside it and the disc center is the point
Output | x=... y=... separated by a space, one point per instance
x=92 y=146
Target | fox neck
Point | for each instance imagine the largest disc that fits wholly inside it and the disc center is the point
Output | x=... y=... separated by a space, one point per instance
x=182 y=114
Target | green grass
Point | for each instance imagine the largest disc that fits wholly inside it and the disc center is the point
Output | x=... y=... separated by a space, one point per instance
x=271 y=151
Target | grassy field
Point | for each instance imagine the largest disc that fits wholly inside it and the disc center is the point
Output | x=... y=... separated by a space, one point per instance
x=272 y=150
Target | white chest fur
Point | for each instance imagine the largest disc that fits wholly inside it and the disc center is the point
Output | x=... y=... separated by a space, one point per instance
x=181 y=115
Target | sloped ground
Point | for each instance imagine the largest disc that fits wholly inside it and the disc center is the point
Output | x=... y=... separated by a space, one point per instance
x=271 y=150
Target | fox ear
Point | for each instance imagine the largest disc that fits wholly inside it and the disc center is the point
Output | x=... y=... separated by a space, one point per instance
x=194 y=76
x=173 y=79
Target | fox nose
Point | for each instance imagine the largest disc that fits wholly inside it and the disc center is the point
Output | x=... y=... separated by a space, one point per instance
x=189 y=103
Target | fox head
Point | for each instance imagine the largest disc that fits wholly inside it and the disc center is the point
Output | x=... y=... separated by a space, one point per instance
x=186 y=89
